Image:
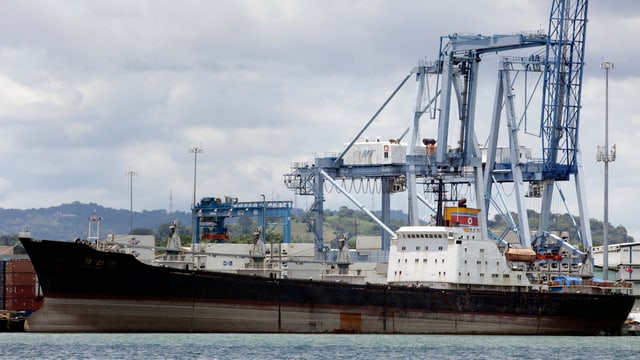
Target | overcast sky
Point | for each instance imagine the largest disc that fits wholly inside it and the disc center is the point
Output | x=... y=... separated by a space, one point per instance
x=90 y=90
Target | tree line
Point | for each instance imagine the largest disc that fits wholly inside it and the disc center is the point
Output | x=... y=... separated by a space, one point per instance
x=342 y=222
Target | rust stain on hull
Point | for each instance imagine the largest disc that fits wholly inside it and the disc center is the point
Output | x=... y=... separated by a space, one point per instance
x=350 y=323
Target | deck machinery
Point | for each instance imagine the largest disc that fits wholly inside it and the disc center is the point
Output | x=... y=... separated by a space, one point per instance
x=454 y=158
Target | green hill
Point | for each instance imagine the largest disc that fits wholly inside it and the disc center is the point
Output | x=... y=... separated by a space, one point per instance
x=69 y=221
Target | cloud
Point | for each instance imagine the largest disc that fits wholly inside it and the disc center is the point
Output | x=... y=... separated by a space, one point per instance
x=91 y=90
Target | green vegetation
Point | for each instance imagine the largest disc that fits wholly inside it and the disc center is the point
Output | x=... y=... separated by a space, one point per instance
x=70 y=221
x=562 y=223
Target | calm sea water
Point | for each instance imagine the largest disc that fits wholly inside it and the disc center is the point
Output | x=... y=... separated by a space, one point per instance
x=279 y=346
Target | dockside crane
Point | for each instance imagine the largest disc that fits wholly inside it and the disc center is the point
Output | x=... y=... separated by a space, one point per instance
x=561 y=108
x=561 y=65
x=458 y=159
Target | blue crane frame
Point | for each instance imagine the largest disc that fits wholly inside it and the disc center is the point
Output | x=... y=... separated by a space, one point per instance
x=211 y=212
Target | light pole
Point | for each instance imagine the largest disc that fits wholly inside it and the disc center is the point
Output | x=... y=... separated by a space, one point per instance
x=606 y=156
x=264 y=206
x=195 y=151
x=131 y=174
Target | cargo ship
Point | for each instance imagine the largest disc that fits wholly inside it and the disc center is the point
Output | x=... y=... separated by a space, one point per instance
x=444 y=275
x=439 y=280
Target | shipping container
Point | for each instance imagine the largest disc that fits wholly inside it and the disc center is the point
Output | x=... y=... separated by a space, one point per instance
x=23 y=303
x=18 y=285
x=13 y=266
x=20 y=291
x=20 y=278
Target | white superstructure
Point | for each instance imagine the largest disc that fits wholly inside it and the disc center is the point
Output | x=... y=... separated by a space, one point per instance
x=450 y=257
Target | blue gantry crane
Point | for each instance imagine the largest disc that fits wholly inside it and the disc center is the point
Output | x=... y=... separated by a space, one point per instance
x=455 y=157
x=211 y=212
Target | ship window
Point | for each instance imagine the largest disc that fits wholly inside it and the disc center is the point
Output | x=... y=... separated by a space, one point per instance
x=417 y=247
x=465 y=249
x=404 y=248
x=426 y=248
x=494 y=275
x=506 y=276
x=443 y=261
x=481 y=274
x=398 y=261
x=459 y=273
x=465 y=261
x=519 y=277
x=417 y=261
x=424 y=260
x=459 y=242
x=436 y=261
x=479 y=262
x=405 y=261
x=439 y=247
x=400 y=272
x=430 y=236
x=468 y=274
x=481 y=250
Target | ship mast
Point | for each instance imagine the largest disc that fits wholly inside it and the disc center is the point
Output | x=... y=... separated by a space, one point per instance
x=94 y=227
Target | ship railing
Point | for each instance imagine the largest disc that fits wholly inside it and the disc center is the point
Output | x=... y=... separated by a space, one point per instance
x=594 y=287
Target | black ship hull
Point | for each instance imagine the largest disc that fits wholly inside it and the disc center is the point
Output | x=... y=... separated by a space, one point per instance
x=92 y=291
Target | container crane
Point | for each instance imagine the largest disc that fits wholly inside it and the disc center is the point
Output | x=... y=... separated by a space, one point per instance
x=561 y=108
x=457 y=158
